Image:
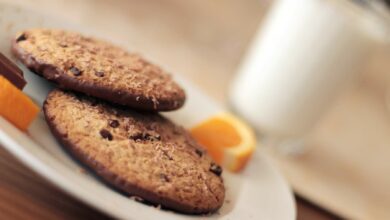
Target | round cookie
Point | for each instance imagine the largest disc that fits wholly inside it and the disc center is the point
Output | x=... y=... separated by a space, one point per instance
x=142 y=154
x=98 y=69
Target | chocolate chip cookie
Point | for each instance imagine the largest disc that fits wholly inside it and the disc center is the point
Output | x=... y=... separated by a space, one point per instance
x=143 y=154
x=97 y=68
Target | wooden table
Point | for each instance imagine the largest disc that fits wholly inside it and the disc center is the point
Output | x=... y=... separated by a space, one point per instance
x=25 y=195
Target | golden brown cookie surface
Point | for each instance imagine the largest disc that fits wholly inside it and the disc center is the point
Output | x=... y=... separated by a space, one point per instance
x=97 y=68
x=143 y=154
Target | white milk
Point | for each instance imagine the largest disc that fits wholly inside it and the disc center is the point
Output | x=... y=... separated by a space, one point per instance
x=303 y=57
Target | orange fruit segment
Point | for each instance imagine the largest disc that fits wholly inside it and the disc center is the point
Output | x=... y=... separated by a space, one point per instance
x=228 y=140
x=15 y=106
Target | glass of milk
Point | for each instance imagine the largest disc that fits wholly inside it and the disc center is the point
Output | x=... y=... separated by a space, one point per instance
x=304 y=55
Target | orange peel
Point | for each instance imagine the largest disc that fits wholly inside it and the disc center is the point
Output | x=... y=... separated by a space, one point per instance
x=228 y=140
x=15 y=106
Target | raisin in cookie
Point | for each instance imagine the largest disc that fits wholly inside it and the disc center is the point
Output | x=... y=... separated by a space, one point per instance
x=97 y=68
x=142 y=154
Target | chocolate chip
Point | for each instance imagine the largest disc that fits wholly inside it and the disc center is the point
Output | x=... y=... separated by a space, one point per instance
x=106 y=134
x=199 y=152
x=164 y=177
x=22 y=37
x=145 y=136
x=63 y=44
x=99 y=73
x=166 y=154
x=136 y=136
x=114 y=123
x=217 y=170
x=75 y=71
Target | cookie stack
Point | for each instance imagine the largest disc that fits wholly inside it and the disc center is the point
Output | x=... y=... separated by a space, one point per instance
x=105 y=113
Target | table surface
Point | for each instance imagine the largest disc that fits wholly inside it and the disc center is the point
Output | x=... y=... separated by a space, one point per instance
x=25 y=195
x=214 y=45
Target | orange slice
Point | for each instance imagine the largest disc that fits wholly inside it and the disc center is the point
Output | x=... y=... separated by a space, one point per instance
x=229 y=141
x=15 y=106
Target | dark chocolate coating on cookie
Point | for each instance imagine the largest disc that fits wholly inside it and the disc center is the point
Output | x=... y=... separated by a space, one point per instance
x=98 y=69
x=11 y=72
x=142 y=154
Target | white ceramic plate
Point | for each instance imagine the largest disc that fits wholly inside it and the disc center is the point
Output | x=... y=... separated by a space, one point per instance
x=257 y=193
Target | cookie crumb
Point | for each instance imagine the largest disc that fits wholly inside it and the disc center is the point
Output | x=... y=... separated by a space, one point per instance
x=63 y=45
x=22 y=37
x=216 y=169
x=75 y=71
x=136 y=198
x=99 y=73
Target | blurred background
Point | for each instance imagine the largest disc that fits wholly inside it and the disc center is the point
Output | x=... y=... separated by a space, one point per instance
x=343 y=172
x=193 y=38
